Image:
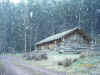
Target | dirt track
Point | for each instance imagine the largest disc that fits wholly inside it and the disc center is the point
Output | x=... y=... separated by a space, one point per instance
x=9 y=68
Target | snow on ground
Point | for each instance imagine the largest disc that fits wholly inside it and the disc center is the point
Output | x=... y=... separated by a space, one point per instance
x=52 y=62
x=85 y=66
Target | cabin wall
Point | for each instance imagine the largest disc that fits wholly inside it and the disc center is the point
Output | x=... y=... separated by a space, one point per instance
x=73 y=41
x=46 y=46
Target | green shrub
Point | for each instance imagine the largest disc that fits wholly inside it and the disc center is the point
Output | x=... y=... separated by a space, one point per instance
x=74 y=60
x=82 y=56
x=67 y=62
x=78 y=52
x=60 y=63
x=44 y=56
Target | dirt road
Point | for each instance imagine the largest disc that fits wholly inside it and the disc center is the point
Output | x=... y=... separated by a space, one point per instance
x=8 y=67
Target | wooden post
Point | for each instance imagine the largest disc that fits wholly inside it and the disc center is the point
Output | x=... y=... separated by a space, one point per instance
x=25 y=42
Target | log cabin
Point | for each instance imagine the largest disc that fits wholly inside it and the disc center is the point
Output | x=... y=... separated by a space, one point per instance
x=73 y=39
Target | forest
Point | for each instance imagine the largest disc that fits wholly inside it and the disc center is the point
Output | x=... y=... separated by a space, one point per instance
x=35 y=20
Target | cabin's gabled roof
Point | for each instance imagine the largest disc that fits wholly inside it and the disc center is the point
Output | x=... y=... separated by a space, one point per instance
x=57 y=36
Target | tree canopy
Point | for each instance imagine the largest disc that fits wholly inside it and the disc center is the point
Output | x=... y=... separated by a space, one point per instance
x=44 y=18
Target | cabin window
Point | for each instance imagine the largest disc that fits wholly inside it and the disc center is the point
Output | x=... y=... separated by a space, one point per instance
x=51 y=46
